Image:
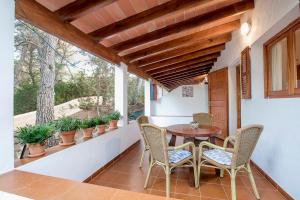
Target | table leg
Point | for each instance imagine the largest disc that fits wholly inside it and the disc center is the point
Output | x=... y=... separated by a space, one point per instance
x=191 y=173
x=172 y=141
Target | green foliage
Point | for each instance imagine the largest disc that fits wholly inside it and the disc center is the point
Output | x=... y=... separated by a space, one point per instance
x=25 y=98
x=114 y=116
x=66 y=124
x=86 y=104
x=87 y=123
x=100 y=120
x=34 y=134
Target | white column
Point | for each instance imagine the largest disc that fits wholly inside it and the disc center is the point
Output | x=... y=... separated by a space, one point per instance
x=147 y=102
x=121 y=96
x=7 y=21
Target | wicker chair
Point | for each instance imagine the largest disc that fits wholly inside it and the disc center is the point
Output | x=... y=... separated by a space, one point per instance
x=143 y=120
x=203 y=119
x=232 y=159
x=168 y=157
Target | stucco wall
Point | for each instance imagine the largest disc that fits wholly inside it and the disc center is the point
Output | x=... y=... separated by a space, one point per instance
x=7 y=22
x=277 y=152
x=173 y=104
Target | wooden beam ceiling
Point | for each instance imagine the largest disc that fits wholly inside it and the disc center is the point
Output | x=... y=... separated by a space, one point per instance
x=80 y=8
x=184 y=50
x=198 y=21
x=180 y=74
x=167 y=63
x=176 y=68
x=145 y=16
x=184 y=69
x=195 y=37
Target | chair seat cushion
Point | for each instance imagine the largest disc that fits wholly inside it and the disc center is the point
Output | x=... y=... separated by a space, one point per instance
x=178 y=155
x=219 y=156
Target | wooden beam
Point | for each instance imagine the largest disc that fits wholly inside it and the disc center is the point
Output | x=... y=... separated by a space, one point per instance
x=39 y=16
x=183 y=69
x=184 y=50
x=175 y=68
x=211 y=17
x=190 y=77
x=80 y=8
x=183 y=58
x=145 y=16
x=191 y=71
x=195 y=37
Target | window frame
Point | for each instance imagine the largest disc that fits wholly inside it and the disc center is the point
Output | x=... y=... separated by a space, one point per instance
x=292 y=91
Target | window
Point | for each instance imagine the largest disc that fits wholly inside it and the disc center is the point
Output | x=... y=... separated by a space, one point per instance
x=282 y=63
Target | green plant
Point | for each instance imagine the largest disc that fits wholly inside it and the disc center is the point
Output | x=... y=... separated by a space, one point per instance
x=114 y=116
x=100 y=120
x=66 y=124
x=34 y=134
x=87 y=123
x=86 y=103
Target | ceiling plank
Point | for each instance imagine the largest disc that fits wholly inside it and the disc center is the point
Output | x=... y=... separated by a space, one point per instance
x=39 y=16
x=145 y=16
x=211 y=17
x=80 y=8
x=175 y=68
x=213 y=52
x=184 y=50
x=183 y=69
x=191 y=71
x=202 y=35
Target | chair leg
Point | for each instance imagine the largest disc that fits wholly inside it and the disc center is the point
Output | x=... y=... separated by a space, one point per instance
x=167 y=171
x=148 y=174
x=222 y=173
x=233 y=186
x=142 y=158
x=252 y=181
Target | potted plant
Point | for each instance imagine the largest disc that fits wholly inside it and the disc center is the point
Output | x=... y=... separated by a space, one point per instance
x=87 y=126
x=34 y=137
x=113 y=119
x=67 y=128
x=100 y=124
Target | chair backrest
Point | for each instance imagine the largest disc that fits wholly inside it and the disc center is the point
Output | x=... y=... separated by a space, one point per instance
x=142 y=120
x=156 y=139
x=203 y=119
x=245 y=142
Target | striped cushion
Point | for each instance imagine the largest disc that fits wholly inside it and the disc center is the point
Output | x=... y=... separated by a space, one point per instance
x=178 y=155
x=219 y=156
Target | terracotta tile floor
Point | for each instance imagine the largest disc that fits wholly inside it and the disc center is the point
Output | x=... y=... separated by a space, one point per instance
x=125 y=174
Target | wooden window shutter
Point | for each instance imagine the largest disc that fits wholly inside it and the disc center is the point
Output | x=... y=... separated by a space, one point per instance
x=246 y=74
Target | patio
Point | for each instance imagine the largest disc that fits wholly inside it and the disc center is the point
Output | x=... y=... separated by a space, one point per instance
x=235 y=61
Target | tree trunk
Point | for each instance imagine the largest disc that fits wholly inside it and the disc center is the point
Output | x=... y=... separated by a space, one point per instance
x=45 y=98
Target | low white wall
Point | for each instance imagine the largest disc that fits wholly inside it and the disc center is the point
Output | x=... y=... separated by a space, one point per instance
x=277 y=152
x=7 y=21
x=173 y=104
x=82 y=160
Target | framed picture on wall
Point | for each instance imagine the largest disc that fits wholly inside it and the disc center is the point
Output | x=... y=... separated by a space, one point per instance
x=187 y=91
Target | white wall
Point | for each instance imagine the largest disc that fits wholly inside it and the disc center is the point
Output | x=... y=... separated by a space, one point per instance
x=277 y=152
x=82 y=160
x=173 y=104
x=7 y=22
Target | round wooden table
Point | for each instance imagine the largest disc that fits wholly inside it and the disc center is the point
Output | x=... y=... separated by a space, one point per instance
x=187 y=131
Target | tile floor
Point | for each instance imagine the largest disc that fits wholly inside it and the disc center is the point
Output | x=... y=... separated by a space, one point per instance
x=125 y=174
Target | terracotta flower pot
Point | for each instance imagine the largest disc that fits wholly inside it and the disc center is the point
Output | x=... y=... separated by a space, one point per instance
x=88 y=132
x=68 y=138
x=113 y=124
x=36 y=150
x=100 y=129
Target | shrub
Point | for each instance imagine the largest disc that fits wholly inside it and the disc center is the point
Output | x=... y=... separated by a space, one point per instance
x=34 y=134
x=114 y=116
x=87 y=123
x=66 y=124
x=100 y=120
